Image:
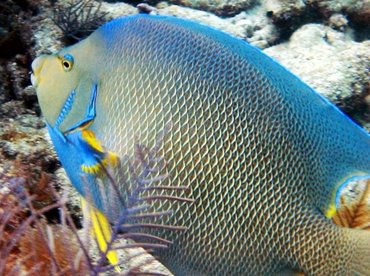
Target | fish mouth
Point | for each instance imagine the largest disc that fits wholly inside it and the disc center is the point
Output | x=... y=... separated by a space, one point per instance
x=34 y=80
x=36 y=69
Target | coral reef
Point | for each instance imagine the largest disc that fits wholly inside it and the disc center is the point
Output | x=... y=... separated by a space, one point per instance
x=314 y=51
x=219 y=7
x=202 y=17
x=28 y=244
x=78 y=18
x=24 y=151
x=114 y=10
x=32 y=240
x=257 y=27
x=15 y=47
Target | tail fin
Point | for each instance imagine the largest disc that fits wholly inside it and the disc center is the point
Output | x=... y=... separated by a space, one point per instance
x=360 y=263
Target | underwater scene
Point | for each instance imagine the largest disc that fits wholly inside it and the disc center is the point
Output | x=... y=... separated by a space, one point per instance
x=200 y=137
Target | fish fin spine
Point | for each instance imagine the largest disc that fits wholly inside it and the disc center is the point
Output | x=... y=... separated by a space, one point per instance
x=90 y=138
x=102 y=232
x=111 y=159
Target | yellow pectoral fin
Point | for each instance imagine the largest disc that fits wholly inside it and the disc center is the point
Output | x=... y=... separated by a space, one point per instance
x=95 y=155
x=102 y=232
x=90 y=138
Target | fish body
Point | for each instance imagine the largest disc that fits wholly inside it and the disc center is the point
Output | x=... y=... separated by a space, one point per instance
x=263 y=154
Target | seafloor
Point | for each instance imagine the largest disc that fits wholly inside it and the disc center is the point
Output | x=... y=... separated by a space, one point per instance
x=325 y=42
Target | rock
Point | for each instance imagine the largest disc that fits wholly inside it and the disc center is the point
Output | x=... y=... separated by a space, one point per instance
x=357 y=13
x=252 y=25
x=16 y=43
x=8 y=150
x=282 y=10
x=47 y=35
x=18 y=76
x=219 y=7
x=358 y=10
x=14 y=33
x=330 y=62
x=287 y=16
x=203 y=17
x=115 y=10
x=29 y=97
x=338 y=22
x=361 y=15
x=24 y=152
x=146 y=8
x=23 y=139
x=4 y=85
x=257 y=27
x=12 y=109
x=74 y=198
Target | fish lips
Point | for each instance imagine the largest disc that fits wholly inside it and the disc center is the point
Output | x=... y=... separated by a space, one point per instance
x=36 y=69
x=34 y=80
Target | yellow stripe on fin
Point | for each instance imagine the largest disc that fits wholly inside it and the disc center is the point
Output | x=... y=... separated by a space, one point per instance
x=91 y=169
x=89 y=137
x=102 y=232
x=331 y=211
x=110 y=159
x=96 y=155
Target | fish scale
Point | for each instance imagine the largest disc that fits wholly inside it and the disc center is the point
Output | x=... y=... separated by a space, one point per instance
x=262 y=153
x=216 y=208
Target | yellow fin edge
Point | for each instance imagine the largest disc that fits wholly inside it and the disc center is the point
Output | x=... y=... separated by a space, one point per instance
x=330 y=212
x=89 y=137
x=102 y=232
x=332 y=206
x=111 y=159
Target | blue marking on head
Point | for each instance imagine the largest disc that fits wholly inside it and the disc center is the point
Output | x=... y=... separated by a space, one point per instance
x=91 y=110
x=90 y=113
x=68 y=57
x=65 y=109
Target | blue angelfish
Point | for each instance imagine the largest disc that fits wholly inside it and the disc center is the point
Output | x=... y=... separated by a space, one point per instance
x=264 y=156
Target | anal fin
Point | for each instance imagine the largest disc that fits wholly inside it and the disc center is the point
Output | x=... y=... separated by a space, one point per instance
x=101 y=231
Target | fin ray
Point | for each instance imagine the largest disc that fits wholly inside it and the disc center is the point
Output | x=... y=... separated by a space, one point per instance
x=335 y=199
x=102 y=232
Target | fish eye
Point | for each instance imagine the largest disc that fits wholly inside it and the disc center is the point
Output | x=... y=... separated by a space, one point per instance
x=67 y=62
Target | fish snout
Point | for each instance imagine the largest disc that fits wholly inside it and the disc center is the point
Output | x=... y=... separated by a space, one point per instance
x=36 y=69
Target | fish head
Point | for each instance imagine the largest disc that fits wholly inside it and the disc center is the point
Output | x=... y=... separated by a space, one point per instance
x=64 y=82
